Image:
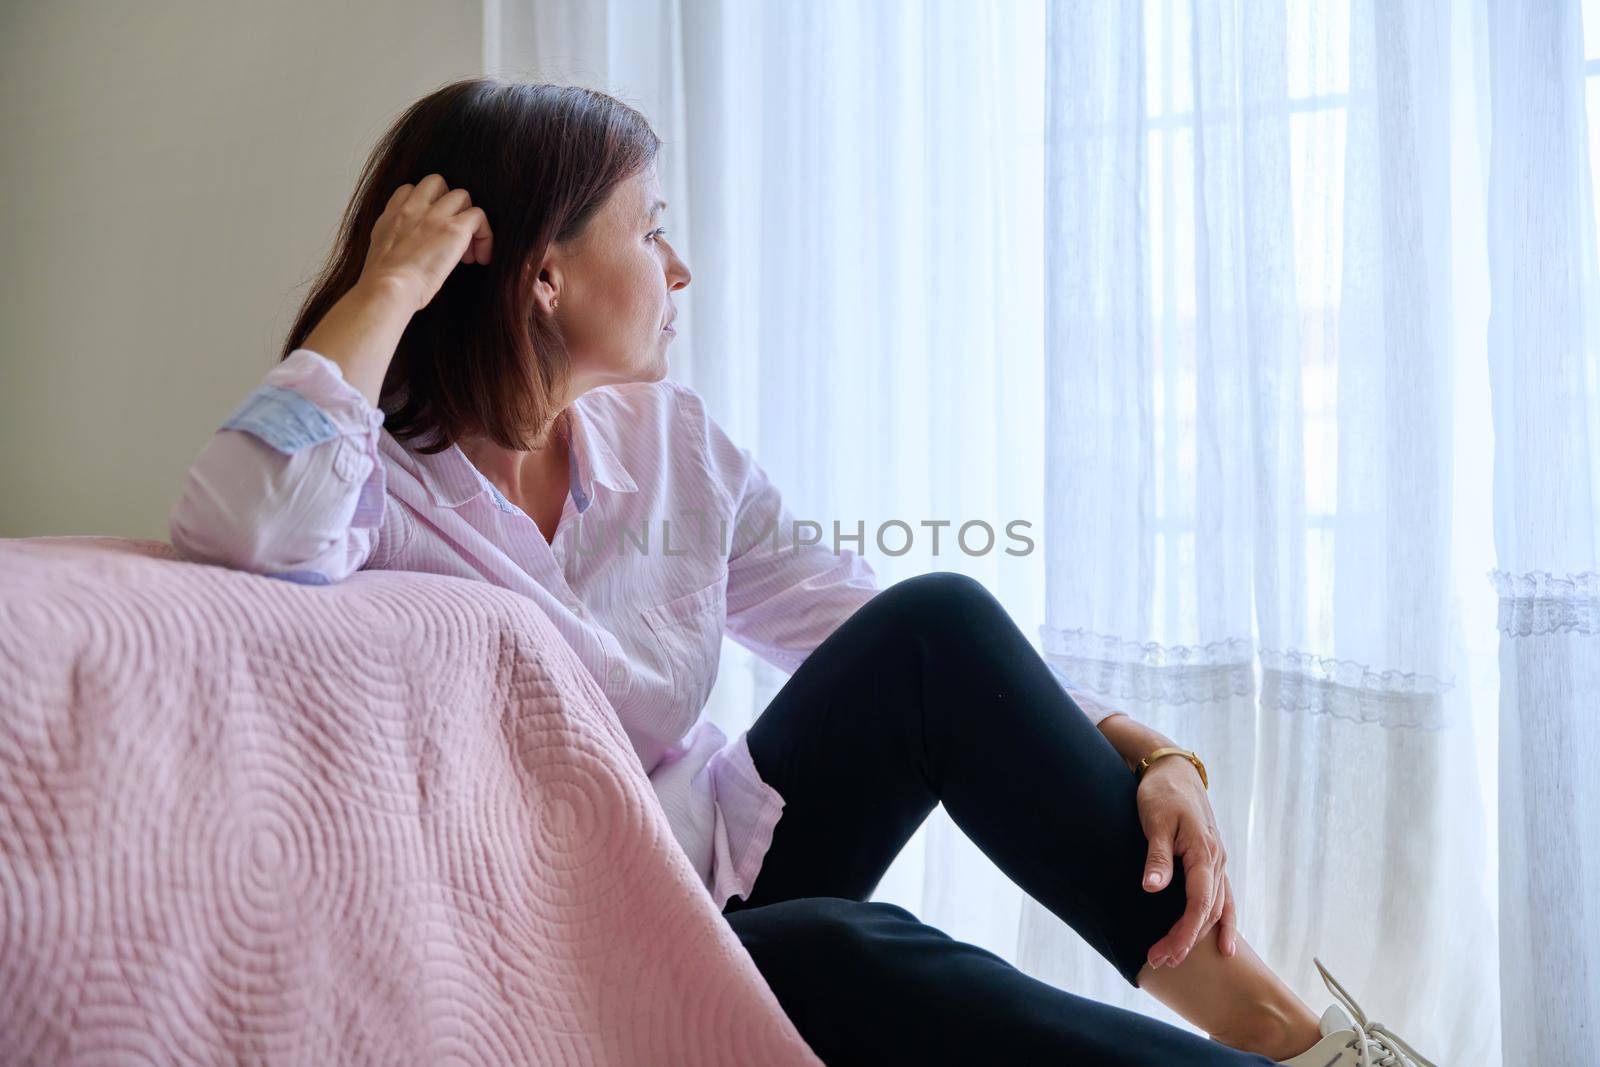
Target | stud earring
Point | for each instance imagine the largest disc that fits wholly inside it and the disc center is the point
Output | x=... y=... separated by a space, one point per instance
x=552 y=305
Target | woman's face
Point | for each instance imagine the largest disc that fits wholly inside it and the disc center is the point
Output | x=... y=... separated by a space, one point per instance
x=613 y=286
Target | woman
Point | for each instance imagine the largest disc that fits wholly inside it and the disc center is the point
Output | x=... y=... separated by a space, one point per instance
x=482 y=421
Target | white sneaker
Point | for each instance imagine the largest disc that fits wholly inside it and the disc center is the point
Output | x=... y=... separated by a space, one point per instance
x=1348 y=1044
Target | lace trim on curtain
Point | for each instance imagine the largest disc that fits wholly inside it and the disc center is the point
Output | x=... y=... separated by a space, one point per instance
x=1162 y=674
x=1539 y=602
x=1291 y=681
x=1346 y=689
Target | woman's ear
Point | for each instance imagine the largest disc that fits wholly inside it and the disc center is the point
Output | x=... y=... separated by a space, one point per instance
x=544 y=292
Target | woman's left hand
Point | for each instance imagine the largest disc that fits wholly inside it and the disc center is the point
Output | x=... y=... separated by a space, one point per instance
x=1178 y=822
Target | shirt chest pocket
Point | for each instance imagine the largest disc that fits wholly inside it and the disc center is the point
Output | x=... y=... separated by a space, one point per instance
x=688 y=631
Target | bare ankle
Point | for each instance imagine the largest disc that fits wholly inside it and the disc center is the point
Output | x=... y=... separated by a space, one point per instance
x=1272 y=1033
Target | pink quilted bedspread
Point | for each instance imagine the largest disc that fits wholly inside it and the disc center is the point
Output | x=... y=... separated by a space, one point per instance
x=388 y=821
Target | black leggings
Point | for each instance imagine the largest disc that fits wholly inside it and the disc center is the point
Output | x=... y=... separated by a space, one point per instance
x=931 y=693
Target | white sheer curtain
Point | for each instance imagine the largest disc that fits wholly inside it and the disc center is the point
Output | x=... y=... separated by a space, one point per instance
x=1546 y=374
x=1252 y=375
x=1201 y=290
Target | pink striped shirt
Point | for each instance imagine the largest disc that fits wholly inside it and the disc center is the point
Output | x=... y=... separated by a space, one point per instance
x=670 y=537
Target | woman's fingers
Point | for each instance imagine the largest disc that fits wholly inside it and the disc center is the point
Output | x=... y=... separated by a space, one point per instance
x=1158 y=857
x=1228 y=925
x=398 y=197
x=456 y=200
x=1202 y=895
x=424 y=233
x=457 y=206
x=424 y=194
x=1202 y=892
x=482 y=243
x=1200 y=888
x=1215 y=914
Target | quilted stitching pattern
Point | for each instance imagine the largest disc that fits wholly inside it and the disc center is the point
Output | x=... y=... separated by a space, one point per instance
x=391 y=820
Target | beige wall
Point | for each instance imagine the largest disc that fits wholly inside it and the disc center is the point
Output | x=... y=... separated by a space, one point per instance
x=172 y=174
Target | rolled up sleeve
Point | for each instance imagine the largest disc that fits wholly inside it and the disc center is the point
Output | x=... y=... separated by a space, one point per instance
x=291 y=484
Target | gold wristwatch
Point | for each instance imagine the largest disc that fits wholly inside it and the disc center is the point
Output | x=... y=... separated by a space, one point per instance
x=1145 y=763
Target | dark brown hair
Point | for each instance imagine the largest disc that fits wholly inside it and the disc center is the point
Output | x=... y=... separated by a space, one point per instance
x=539 y=160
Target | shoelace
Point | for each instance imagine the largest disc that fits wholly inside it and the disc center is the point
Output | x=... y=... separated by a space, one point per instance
x=1373 y=1036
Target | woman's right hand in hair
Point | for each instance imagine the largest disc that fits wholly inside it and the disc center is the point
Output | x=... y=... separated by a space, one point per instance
x=425 y=231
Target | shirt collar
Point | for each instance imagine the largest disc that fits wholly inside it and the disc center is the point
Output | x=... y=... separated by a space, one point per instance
x=451 y=479
x=590 y=460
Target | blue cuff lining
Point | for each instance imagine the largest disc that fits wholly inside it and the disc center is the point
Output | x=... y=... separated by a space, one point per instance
x=282 y=418
x=302 y=577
